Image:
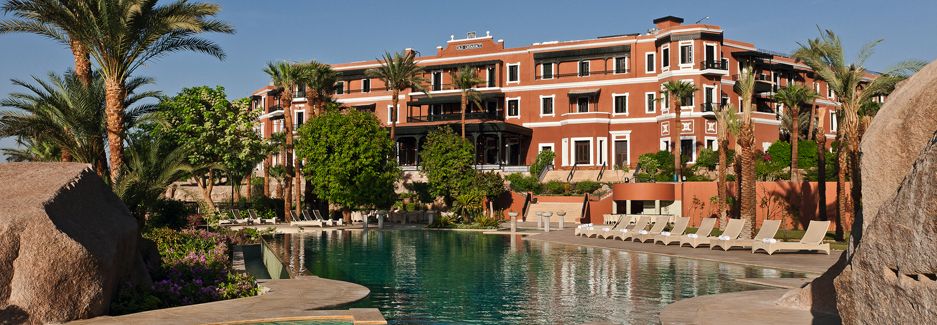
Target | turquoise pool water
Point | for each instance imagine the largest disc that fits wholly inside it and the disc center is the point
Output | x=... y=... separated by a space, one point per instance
x=306 y=322
x=449 y=277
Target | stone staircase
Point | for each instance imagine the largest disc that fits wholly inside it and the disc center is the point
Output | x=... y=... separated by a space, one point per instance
x=581 y=175
x=573 y=210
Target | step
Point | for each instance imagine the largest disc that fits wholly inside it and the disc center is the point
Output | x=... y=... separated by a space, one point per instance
x=573 y=210
x=614 y=176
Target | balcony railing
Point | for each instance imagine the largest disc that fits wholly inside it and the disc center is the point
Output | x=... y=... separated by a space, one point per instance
x=715 y=65
x=366 y=90
x=711 y=107
x=452 y=117
x=299 y=94
x=582 y=74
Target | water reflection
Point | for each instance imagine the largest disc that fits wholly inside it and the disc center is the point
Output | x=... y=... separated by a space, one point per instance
x=460 y=277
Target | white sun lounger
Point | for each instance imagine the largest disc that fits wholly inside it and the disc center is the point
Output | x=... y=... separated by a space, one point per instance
x=702 y=234
x=768 y=229
x=623 y=222
x=626 y=233
x=674 y=234
x=812 y=241
x=254 y=216
x=659 y=224
x=303 y=221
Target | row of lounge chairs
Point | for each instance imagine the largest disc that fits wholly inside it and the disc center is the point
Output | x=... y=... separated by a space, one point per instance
x=635 y=229
x=304 y=220
x=236 y=218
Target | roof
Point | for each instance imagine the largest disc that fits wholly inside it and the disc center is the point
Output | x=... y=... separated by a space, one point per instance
x=583 y=52
x=669 y=18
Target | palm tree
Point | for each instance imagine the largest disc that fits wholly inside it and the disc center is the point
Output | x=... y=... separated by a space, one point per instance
x=59 y=20
x=32 y=149
x=820 y=137
x=149 y=171
x=69 y=113
x=274 y=147
x=121 y=36
x=287 y=76
x=745 y=88
x=320 y=85
x=399 y=72
x=792 y=97
x=726 y=122
x=848 y=81
x=678 y=91
x=464 y=79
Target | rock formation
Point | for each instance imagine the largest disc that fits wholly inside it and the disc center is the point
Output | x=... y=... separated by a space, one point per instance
x=66 y=243
x=896 y=138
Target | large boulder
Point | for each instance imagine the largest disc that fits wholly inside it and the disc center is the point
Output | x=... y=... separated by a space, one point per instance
x=892 y=143
x=892 y=278
x=66 y=243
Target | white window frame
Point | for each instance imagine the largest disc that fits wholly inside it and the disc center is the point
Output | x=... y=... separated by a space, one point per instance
x=614 y=96
x=689 y=137
x=389 y=108
x=715 y=146
x=621 y=135
x=508 y=72
x=664 y=140
x=488 y=76
x=707 y=89
x=507 y=107
x=369 y=85
x=834 y=125
x=432 y=79
x=690 y=108
x=565 y=151
x=652 y=59
x=829 y=93
x=552 y=110
x=692 y=53
x=572 y=153
x=579 y=67
x=653 y=102
x=662 y=66
x=615 y=64
x=715 y=46
x=552 y=148
x=340 y=85
x=552 y=71
x=601 y=150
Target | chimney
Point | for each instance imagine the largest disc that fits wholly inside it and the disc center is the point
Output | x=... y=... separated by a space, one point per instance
x=667 y=22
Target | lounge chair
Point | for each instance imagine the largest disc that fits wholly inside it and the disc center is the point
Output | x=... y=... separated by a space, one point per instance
x=257 y=219
x=330 y=222
x=224 y=220
x=240 y=220
x=768 y=229
x=628 y=232
x=302 y=220
x=623 y=221
x=702 y=234
x=674 y=234
x=658 y=227
x=812 y=241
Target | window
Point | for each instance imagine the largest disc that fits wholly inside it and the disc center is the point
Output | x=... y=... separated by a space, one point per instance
x=365 y=85
x=649 y=63
x=583 y=68
x=665 y=58
x=688 y=149
x=711 y=144
x=546 y=105
x=437 y=80
x=621 y=104
x=686 y=54
x=547 y=71
x=666 y=101
x=300 y=91
x=299 y=119
x=621 y=65
x=340 y=88
x=651 y=103
x=390 y=111
x=710 y=55
x=583 y=104
x=621 y=152
x=829 y=92
x=665 y=144
x=582 y=152
x=513 y=108
x=688 y=100
x=834 y=124
x=513 y=73
x=435 y=109
x=491 y=76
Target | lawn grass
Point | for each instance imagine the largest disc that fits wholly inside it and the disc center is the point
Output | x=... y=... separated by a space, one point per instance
x=791 y=235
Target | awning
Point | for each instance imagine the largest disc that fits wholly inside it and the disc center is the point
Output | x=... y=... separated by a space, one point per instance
x=754 y=54
x=583 y=92
x=448 y=99
x=620 y=49
x=352 y=74
x=461 y=64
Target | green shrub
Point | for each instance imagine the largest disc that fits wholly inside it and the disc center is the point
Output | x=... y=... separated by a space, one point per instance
x=730 y=177
x=707 y=158
x=169 y=214
x=553 y=187
x=587 y=186
x=421 y=191
x=487 y=222
x=543 y=158
x=525 y=184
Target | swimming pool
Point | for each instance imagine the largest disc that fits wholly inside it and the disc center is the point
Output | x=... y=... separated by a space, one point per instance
x=451 y=277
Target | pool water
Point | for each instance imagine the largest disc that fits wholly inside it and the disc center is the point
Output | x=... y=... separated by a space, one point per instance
x=305 y=322
x=452 y=277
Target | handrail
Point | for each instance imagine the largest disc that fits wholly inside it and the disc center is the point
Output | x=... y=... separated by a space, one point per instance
x=585 y=206
x=601 y=172
x=543 y=172
x=572 y=172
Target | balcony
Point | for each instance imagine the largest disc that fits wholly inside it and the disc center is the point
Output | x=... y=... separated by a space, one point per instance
x=452 y=117
x=581 y=74
x=710 y=67
x=299 y=94
x=711 y=107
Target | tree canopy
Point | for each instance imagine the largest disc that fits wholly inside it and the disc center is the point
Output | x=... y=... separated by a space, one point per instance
x=447 y=162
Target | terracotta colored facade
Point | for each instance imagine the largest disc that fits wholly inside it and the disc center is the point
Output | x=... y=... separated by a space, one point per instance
x=593 y=102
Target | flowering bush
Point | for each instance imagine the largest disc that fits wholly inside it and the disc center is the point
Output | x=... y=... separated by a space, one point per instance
x=195 y=269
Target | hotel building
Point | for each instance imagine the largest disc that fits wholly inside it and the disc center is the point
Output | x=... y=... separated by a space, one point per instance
x=594 y=102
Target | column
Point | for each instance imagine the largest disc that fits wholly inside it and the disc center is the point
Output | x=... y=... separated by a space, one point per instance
x=657 y=206
x=627 y=206
x=416 y=148
x=500 y=145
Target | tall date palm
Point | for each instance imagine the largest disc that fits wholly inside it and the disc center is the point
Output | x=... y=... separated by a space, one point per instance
x=678 y=91
x=59 y=20
x=286 y=77
x=464 y=79
x=792 y=97
x=726 y=122
x=399 y=72
x=745 y=88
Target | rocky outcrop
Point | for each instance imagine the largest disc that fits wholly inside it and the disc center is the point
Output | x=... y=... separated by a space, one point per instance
x=892 y=278
x=890 y=146
x=66 y=243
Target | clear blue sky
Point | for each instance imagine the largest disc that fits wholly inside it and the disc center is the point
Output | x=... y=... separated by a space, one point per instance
x=347 y=31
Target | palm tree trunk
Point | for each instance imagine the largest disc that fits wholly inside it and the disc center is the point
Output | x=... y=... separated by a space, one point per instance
x=723 y=145
x=82 y=62
x=851 y=121
x=287 y=98
x=115 y=95
x=795 y=136
x=267 y=175
x=813 y=111
x=841 y=162
x=464 y=104
x=677 y=148
x=748 y=195
x=393 y=121
x=297 y=180
x=821 y=165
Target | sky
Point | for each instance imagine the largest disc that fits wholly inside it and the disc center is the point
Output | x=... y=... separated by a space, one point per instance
x=336 y=32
